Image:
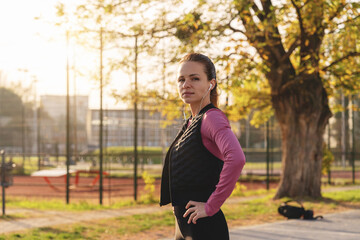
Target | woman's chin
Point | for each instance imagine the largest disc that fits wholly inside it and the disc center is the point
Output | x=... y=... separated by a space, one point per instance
x=190 y=101
x=186 y=100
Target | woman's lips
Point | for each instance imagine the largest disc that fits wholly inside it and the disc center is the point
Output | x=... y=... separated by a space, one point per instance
x=186 y=94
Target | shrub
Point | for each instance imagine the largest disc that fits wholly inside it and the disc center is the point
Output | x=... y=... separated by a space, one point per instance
x=148 y=197
x=238 y=190
x=327 y=160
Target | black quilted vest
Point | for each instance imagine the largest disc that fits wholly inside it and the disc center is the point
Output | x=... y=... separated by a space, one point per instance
x=190 y=171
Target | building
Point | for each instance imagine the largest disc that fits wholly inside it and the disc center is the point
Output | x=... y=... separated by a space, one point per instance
x=55 y=106
x=118 y=128
x=53 y=124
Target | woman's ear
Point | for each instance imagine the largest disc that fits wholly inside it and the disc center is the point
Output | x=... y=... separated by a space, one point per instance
x=213 y=83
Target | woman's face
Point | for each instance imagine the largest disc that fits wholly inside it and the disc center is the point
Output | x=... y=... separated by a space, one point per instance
x=193 y=84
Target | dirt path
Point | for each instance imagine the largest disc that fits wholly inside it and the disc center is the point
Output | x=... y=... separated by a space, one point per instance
x=52 y=218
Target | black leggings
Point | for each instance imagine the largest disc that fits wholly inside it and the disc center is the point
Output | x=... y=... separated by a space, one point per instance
x=208 y=228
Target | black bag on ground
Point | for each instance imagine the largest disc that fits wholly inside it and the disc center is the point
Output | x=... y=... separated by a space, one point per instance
x=294 y=212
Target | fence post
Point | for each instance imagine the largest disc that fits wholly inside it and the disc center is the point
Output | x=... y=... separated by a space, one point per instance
x=353 y=138
x=267 y=156
x=329 y=145
x=2 y=152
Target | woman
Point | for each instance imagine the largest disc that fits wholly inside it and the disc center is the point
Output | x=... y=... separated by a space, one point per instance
x=204 y=161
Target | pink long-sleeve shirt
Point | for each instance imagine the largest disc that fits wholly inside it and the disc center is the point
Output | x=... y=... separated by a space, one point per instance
x=218 y=138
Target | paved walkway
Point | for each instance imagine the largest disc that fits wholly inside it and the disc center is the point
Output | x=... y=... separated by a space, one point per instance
x=347 y=223
x=336 y=226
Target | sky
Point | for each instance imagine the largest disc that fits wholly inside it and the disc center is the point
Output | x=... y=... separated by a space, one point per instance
x=33 y=51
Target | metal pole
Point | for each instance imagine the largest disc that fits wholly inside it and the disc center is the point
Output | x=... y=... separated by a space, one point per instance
x=143 y=137
x=329 y=170
x=343 y=131
x=23 y=133
x=67 y=122
x=136 y=121
x=267 y=156
x=35 y=123
x=353 y=138
x=2 y=152
x=106 y=153
x=163 y=129
x=271 y=145
x=75 y=113
x=38 y=137
x=101 y=119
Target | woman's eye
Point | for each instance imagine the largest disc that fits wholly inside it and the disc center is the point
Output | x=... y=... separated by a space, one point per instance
x=181 y=80
x=196 y=79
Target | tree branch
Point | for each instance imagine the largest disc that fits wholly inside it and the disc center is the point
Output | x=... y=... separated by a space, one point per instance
x=121 y=34
x=293 y=46
x=271 y=31
x=121 y=3
x=338 y=10
x=351 y=54
x=298 y=12
x=235 y=29
x=266 y=4
x=258 y=12
x=335 y=14
x=341 y=23
x=253 y=33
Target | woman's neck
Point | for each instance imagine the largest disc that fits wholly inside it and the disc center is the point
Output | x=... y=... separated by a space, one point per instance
x=196 y=108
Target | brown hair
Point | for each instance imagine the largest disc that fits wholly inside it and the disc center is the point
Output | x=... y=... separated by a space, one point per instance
x=209 y=69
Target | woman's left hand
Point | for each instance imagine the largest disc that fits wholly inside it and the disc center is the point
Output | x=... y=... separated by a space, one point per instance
x=196 y=211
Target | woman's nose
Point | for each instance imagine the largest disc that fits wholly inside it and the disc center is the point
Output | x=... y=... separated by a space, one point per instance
x=186 y=84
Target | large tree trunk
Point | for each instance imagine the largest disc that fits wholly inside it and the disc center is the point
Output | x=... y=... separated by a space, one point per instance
x=298 y=96
x=301 y=107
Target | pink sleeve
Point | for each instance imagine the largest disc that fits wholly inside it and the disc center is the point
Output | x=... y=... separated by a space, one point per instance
x=218 y=138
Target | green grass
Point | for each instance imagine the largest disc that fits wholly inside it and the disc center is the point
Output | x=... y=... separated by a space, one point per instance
x=248 y=209
x=347 y=168
x=140 y=223
x=130 y=150
x=48 y=233
x=339 y=181
x=344 y=196
x=31 y=165
x=60 y=205
x=155 y=153
x=116 y=227
x=261 y=165
x=13 y=216
x=50 y=204
x=266 y=208
x=263 y=209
